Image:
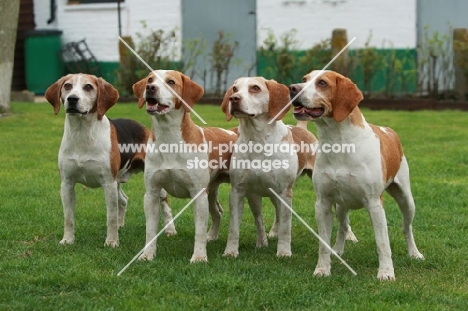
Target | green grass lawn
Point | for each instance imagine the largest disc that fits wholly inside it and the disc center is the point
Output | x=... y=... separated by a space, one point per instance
x=38 y=273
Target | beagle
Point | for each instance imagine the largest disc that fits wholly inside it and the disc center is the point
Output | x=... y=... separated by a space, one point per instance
x=189 y=167
x=255 y=101
x=89 y=153
x=354 y=178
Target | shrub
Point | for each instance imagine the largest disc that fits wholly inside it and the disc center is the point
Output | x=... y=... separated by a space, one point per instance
x=160 y=51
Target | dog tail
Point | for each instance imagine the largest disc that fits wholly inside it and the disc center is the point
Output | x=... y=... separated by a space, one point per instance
x=302 y=124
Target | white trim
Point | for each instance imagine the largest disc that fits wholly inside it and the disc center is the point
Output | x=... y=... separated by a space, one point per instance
x=93 y=6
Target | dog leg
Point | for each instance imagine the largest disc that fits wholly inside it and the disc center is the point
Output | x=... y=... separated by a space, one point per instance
x=284 y=224
x=67 y=193
x=236 y=207
x=379 y=222
x=324 y=218
x=216 y=212
x=112 y=202
x=167 y=214
x=255 y=203
x=152 y=206
x=407 y=207
x=274 y=229
x=343 y=223
x=200 y=215
x=401 y=192
x=349 y=233
x=123 y=200
x=344 y=230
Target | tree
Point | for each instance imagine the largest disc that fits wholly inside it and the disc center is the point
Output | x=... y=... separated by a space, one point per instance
x=9 y=14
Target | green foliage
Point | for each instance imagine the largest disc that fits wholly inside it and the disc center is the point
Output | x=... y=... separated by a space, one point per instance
x=157 y=48
x=317 y=57
x=160 y=51
x=220 y=58
x=282 y=63
x=379 y=72
x=37 y=273
x=399 y=72
x=384 y=72
x=370 y=60
x=435 y=65
x=460 y=46
x=192 y=50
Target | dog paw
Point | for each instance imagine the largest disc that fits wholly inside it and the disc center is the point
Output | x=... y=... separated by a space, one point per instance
x=66 y=241
x=198 y=259
x=212 y=234
x=211 y=237
x=416 y=255
x=232 y=254
x=262 y=242
x=281 y=254
x=386 y=274
x=351 y=237
x=171 y=231
x=146 y=257
x=322 y=271
x=112 y=243
x=272 y=234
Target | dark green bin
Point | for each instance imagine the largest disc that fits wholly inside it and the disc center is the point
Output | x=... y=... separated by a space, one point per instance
x=43 y=59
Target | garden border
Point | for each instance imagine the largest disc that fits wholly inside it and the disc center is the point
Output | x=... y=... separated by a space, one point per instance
x=388 y=104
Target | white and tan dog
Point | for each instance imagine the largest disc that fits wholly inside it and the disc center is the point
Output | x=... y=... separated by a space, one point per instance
x=90 y=154
x=255 y=101
x=352 y=180
x=182 y=172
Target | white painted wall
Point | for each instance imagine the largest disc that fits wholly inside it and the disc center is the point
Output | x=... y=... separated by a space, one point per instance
x=389 y=20
x=98 y=23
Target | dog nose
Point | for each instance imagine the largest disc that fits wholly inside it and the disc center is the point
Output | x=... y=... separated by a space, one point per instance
x=151 y=89
x=294 y=89
x=235 y=99
x=72 y=99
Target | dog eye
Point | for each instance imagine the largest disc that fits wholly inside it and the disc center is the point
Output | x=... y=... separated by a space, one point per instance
x=234 y=89
x=171 y=82
x=88 y=87
x=67 y=86
x=256 y=88
x=304 y=79
x=322 y=83
x=150 y=80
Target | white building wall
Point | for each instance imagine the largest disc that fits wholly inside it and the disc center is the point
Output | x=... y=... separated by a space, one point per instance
x=98 y=23
x=389 y=20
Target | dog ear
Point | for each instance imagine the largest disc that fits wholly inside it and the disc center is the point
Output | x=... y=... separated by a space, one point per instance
x=347 y=97
x=52 y=94
x=225 y=104
x=107 y=96
x=191 y=93
x=279 y=99
x=138 y=89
